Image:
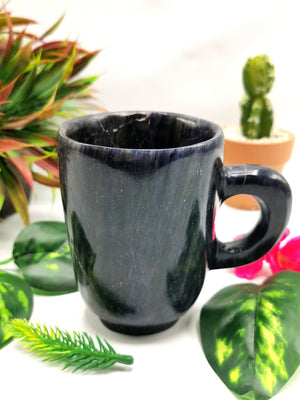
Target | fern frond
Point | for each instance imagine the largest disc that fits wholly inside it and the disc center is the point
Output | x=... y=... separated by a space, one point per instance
x=76 y=350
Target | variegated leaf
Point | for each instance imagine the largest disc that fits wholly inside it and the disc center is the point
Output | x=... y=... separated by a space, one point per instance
x=5 y=91
x=2 y=192
x=42 y=252
x=21 y=91
x=22 y=166
x=18 y=64
x=15 y=20
x=250 y=335
x=11 y=144
x=16 y=192
x=82 y=62
x=16 y=301
x=52 y=28
x=46 y=180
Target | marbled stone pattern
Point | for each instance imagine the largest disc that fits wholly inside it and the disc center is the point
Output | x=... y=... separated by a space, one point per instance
x=140 y=192
x=135 y=191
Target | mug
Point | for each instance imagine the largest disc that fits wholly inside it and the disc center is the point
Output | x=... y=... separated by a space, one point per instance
x=139 y=191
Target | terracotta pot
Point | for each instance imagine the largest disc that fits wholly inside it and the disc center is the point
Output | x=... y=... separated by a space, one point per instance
x=273 y=153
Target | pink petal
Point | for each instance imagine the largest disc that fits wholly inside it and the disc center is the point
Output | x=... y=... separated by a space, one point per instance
x=288 y=256
x=271 y=256
x=249 y=271
x=273 y=252
x=272 y=261
x=285 y=235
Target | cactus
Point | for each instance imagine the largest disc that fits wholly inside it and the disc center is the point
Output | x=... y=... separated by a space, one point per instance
x=256 y=109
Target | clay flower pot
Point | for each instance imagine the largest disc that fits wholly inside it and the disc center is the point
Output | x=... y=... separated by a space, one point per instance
x=273 y=152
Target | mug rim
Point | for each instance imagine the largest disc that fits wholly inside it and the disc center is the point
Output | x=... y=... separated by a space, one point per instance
x=73 y=123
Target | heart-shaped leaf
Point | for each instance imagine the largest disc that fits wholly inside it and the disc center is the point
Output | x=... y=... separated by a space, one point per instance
x=250 y=335
x=42 y=252
x=16 y=301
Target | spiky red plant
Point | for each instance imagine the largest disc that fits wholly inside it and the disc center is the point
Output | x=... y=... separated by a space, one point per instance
x=38 y=88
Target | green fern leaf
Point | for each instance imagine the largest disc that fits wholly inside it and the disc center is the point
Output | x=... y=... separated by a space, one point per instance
x=76 y=350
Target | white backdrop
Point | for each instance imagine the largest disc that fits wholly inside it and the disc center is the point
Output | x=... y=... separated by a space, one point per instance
x=184 y=56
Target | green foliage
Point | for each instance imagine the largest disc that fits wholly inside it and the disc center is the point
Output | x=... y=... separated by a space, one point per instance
x=42 y=253
x=250 y=335
x=256 y=109
x=76 y=350
x=16 y=301
x=38 y=80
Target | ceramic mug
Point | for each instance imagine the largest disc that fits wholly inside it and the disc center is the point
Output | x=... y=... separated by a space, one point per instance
x=139 y=191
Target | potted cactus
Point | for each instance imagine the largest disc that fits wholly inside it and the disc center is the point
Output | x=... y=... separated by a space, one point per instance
x=38 y=88
x=256 y=140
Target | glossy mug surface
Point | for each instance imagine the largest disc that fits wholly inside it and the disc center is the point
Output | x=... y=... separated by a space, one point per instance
x=139 y=191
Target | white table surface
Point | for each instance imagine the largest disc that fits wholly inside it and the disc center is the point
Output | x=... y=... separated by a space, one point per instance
x=162 y=55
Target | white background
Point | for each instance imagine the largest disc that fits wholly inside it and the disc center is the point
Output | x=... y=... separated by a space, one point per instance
x=183 y=56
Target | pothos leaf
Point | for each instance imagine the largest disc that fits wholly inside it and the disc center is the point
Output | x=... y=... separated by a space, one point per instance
x=16 y=301
x=250 y=335
x=42 y=252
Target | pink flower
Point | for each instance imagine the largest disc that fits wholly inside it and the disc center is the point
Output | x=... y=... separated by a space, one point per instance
x=283 y=256
x=288 y=257
x=249 y=271
x=271 y=256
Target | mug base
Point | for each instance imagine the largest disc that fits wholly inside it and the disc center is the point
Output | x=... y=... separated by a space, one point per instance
x=138 y=330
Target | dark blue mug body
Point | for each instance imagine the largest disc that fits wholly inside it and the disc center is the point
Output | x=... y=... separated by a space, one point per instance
x=139 y=191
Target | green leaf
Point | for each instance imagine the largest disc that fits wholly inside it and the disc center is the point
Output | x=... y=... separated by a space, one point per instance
x=5 y=92
x=52 y=28
x=16 y=301
x=75 y=88
x=250 y=335
x=45 y=180
x=17 y=64
x=21 y=92
x=42 y=252
x=22 y=166
x=2 y=192
x=82 y=62
x=76 y=350
x=14 y=20
x=27 y=138
x=16 y=192
x=52 y=77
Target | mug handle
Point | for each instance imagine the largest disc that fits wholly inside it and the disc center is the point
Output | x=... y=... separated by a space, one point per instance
x=273 y=194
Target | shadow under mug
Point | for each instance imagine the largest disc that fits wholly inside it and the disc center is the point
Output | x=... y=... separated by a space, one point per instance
x=139 y=191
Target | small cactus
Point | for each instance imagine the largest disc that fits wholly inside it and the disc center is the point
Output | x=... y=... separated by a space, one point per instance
x=256 y=109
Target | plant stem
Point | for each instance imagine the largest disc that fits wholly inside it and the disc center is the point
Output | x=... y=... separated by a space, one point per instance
x=124 y=359
x=7 y=261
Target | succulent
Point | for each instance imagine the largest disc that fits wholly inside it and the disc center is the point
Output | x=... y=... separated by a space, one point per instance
x=256 y=109
x=38 y=88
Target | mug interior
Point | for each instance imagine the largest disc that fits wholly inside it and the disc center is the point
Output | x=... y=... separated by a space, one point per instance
x=142 y=131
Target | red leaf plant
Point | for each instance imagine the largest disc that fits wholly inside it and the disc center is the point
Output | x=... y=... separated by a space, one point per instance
x=39 y=87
